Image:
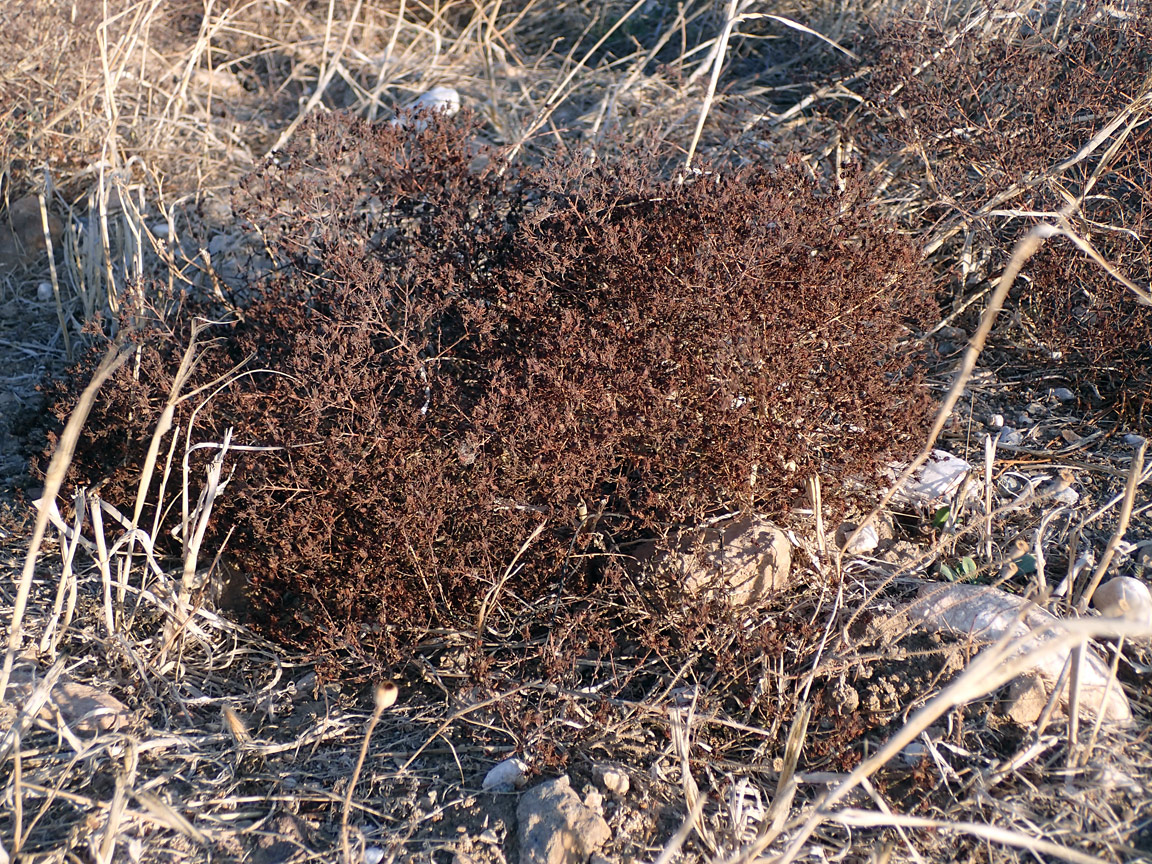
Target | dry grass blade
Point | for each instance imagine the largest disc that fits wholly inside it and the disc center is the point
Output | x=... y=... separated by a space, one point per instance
x=168 y=817
x=48 y=248
x=113 y=359
x=676 y=841
x=31 y=709
x=992 y=668
x=1135 y=474
x=328 y=71
x=717 y=66
x=868 y=819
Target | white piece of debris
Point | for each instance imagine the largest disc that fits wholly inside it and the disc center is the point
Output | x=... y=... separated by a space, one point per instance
x=1124 y=597
x=936 y=481
x=866 y=541
x=985 y=614
x=613 y=778
x=438 y=100
x=44 y=291
x=914 y=753
x=510 y=774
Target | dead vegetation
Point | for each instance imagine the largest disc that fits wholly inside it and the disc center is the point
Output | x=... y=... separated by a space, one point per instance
x=1007 y=142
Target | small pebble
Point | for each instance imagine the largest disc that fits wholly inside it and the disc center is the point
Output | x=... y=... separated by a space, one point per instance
x=913 y=753
x=613 y=780
x=1064 y=394
x=996 y=421
x=44 y=291
x=866 y=541
x=1144 y=555
x=509 y=774
x=1124 y=597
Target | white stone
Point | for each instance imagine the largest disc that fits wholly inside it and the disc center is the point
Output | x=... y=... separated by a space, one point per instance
x=1124 y=597
x=44 y=292
x=509 y=774
x=438 y=100
x=913 y=753
x=613 y=779
x=444 y=100
x=866 y=541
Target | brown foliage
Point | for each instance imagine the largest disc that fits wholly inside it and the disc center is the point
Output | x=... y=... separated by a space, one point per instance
x=451 y=357
x=991 y=118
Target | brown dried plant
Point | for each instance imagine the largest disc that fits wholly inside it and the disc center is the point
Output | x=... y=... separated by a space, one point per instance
x=1002 y=125
x=485 y=383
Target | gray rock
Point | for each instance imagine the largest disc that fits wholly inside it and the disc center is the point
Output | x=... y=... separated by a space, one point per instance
x=555 y=826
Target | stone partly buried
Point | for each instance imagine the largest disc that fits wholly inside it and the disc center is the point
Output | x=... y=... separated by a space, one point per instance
x=744 y=559
x=22 y=234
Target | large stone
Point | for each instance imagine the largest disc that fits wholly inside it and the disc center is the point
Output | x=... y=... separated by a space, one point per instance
x=985 y=614
x=555 y=827
x=743 y=559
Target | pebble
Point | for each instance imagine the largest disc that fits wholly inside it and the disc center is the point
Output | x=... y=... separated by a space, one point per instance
x=866 y=541
x=509 y=774
x=612 y=778
x=1025 y=700
x=1124 y=597
x=1064 y=394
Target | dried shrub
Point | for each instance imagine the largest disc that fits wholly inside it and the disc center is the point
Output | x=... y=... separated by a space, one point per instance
x=488 y=383
x=985 y=121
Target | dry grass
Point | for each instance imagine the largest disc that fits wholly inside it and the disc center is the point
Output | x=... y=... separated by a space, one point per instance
x=133 y=120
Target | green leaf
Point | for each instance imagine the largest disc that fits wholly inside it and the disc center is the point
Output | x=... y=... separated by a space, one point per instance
x=947 y=572
x=968 y=566
x=940 y=517
x=1026 y=564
